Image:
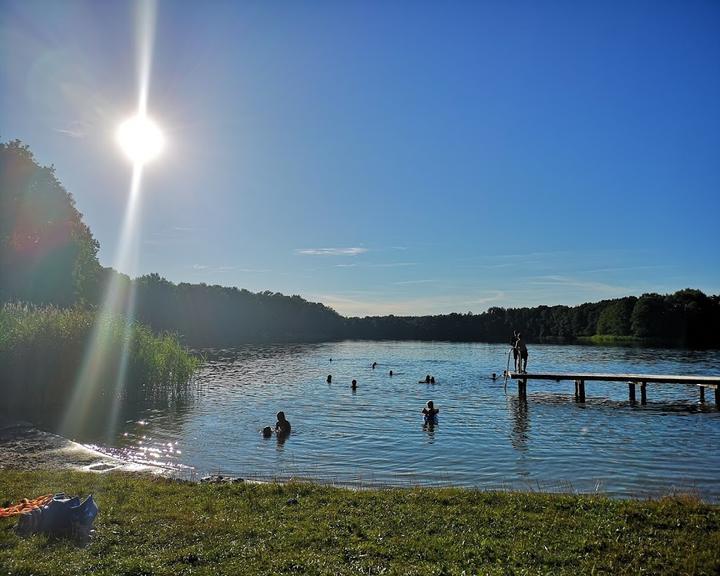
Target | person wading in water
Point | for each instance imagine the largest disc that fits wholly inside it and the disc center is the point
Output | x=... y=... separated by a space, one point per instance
x=523 y=353
x=513 y=345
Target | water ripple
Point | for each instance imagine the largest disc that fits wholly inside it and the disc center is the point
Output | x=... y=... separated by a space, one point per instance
x=485 y=438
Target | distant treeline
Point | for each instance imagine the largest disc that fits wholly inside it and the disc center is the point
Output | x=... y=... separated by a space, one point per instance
x=216 y=316
x=686 y=318
x=48 y=256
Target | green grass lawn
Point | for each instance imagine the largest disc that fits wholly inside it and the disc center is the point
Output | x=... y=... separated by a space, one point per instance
x=156 y=526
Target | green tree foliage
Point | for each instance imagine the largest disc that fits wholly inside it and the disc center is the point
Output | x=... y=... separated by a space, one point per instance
x=615 y=318
x=687 y=318
x=47 y=253
x=220 y=316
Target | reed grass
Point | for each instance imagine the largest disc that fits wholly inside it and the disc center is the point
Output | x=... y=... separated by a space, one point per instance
x=42 y=350
x=611 y=339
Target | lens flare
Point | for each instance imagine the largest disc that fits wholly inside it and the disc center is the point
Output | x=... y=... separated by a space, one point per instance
x=141 y=139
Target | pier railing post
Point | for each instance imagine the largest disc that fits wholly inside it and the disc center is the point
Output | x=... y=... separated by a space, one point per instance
x=631 y=392
x=643 y=393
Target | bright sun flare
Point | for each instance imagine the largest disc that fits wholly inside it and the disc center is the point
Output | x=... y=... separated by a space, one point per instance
x=140 y=139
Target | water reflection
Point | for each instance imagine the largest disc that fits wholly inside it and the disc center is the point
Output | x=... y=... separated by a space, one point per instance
x=520 y=422
x=430 y=432
x=492 y=438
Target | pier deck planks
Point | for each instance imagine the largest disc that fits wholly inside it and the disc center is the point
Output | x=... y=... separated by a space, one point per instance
x=712 y=382
x=708 y=381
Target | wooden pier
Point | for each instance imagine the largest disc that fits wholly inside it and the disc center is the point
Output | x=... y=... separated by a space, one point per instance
x=632 y=380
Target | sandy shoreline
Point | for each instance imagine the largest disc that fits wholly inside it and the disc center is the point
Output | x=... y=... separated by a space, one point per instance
x=24 y=447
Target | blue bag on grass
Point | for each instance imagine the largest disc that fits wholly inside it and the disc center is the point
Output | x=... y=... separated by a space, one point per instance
x=62 y=516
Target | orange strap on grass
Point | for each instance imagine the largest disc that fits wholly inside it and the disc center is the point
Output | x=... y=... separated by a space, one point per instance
x=25 y=505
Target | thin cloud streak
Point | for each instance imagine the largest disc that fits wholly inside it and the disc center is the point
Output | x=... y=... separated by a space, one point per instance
x=377 y=265
x=553 y=280
x=362 y=306
x=75 y=130
x=410 y=282
x=208 y=268
x=353 y=251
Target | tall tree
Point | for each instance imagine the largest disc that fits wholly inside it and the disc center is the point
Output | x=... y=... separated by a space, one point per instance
x=47 y=253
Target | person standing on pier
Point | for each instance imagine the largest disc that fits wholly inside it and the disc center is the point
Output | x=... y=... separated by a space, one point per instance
x=513 y=345
x=522 y=351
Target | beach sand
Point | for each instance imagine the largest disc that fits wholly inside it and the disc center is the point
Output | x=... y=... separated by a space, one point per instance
x=24 y=447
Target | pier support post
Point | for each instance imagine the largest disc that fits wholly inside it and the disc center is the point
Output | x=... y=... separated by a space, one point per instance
x=522 y=389
x=643 y=394
x=577 y=391
x=702 y=394
x=717 y=397
x=631 y=392
x=581 y=390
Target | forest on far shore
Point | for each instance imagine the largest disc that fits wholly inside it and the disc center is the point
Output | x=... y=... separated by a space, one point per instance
x=48 y=256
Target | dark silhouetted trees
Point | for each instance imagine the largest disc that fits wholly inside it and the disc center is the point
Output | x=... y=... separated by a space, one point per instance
x=47 y=253
x=219 y=316
x=686 y=318
x=48 y=256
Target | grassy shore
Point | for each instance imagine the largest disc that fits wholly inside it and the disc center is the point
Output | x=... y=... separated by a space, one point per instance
x=610 y=340
x=157 y=526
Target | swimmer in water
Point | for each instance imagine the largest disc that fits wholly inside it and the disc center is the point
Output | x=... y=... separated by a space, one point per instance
x=354 y=385
x=390 y=372
x=374 y=364
x=430 y=413
x=282 y=426
x=329 y=379
x=267 y=432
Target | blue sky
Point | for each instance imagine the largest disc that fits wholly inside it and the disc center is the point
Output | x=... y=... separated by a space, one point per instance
x=390 y=157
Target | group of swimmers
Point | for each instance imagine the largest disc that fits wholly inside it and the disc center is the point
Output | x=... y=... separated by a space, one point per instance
x=430 y=413
x=282 y=427
x=427 y=380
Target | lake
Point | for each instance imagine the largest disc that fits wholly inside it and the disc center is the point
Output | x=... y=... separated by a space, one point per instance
x=485 y=438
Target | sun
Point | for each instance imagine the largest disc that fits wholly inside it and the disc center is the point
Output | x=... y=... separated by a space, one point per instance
x=141 y=139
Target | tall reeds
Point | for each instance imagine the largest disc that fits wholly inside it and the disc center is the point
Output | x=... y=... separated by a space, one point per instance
x=42 y=351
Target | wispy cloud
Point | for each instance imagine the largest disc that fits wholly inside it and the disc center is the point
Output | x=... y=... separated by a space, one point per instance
x=209 y=268
x=408 y=282
x=566 y=281
x=392 y=265
x=172 y=235
x=75 y=129
x=358 y=304
x=353 y=251
x=376 y=265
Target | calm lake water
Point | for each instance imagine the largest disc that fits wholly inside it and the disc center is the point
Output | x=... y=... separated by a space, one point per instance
x=485 y=438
